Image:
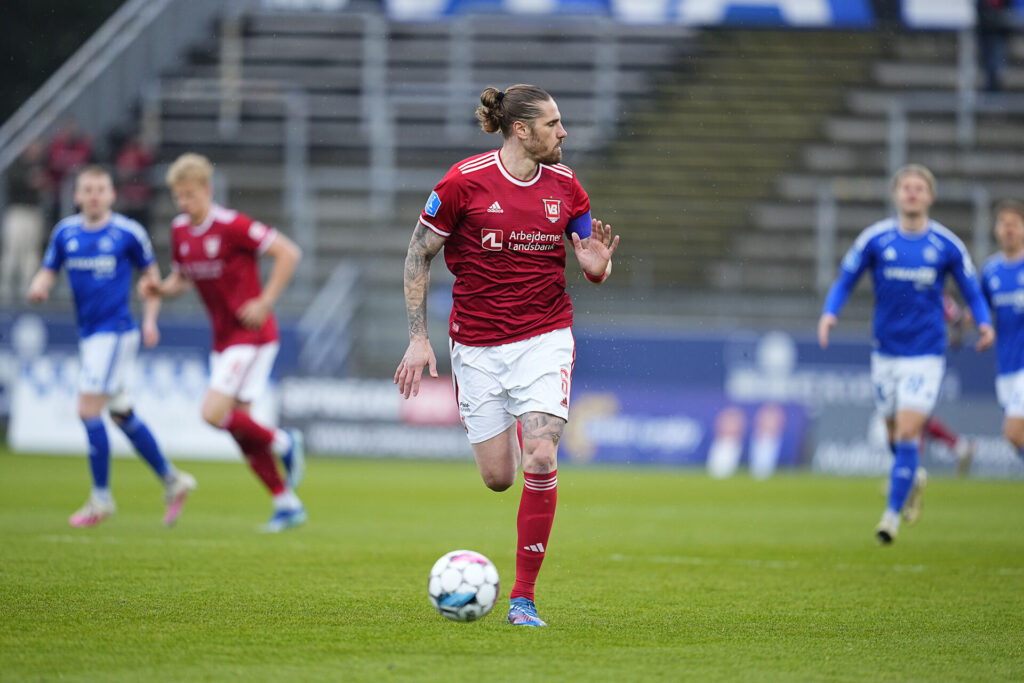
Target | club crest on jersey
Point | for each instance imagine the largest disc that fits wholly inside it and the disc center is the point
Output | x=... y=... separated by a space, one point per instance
x=184 y=249
x=211 y=245
x=491 y=239
x=552 y=209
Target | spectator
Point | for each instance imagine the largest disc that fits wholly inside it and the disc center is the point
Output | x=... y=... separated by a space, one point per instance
x=70 y=150
x=131 y=169
x=995 y=24
x=22 y=222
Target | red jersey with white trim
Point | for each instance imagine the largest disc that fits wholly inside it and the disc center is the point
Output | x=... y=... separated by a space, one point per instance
x=220 y=257
x=505 y=246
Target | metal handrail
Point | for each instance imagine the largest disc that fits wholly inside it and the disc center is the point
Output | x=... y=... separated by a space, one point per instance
x=103 y=79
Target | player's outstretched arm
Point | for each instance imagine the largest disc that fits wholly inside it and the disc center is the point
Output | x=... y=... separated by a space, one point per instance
x=150 y=308
x=286 y=254
x=42 y=283
x=171 y=286
x=423 y=247
x=595 y=252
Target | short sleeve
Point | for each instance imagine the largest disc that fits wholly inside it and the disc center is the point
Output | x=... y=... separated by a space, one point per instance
x=250 y=235
x=580 y=199
x=444 y=208
x=140 y=248
x=53 y=259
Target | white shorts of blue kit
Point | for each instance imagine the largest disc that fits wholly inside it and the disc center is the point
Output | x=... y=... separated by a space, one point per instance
x=1010 y=392
x=108 y=366
x=494 y=385
x=906 y=382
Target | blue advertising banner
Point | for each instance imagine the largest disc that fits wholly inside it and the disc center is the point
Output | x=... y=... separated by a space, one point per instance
x=637 y=425
x=795 y=13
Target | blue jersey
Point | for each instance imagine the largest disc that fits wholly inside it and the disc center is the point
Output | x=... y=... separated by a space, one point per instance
x=1002 y=282
x=99 y=263
x=909 y=270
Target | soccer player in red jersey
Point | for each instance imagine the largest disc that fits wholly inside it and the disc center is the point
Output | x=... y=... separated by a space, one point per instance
x=503 y=218
x=217 y=250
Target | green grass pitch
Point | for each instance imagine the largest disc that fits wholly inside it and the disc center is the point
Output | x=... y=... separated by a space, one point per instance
x=651 y=575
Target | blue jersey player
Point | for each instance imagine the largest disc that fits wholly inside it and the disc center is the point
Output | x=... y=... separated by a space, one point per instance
x=1002 y=281
x=909 y=256
x=100 y=250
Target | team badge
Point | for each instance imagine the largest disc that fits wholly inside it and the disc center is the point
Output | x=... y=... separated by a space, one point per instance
x=184 y=249
x=72 y=245
x=211 y=245
x=106 y=244
x=491 y=239
x=551 y=209
x=930 y=254
x=433 y=204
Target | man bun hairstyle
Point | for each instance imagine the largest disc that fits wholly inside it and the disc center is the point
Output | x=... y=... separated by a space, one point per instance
x=498 y=111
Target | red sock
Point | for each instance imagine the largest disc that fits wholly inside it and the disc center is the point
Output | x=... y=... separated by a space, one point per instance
x=937 y=429
x=536 y=514
x=254 y=440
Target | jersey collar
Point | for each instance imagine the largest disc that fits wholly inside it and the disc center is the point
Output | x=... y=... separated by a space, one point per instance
x=207 y=222
x=511 y=178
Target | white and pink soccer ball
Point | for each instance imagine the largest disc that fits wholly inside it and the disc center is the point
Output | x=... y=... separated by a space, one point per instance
x=463 y=585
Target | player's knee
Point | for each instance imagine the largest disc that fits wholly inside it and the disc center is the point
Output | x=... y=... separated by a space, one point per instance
x=86 y=414
x=498 y=482
x=212 y=416
x=120 y=418
x=1015 y=435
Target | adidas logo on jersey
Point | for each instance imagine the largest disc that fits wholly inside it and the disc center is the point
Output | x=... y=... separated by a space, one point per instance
x=534 y=547
x=495 y=208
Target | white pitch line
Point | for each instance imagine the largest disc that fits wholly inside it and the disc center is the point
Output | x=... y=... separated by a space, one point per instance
x=784 y=564
x=117 y=540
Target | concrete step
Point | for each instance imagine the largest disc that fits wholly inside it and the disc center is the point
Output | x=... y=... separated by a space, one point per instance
x=943 y=161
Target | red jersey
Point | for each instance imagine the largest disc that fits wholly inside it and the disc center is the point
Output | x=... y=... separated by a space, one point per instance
x=220 y=257
x=505 y=246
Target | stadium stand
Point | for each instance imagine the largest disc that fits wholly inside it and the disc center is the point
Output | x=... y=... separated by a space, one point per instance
x=718 y=153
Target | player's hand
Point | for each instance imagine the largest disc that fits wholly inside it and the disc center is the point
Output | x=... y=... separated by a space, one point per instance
x=596 y=251
x=825 y=325
x=150 y=333
x=253 y=313
x=38 y=292
x=988 y=337
x=148 y=287
x=410 y=370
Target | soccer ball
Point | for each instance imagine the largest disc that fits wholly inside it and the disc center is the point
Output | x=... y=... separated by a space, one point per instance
x=463 y=585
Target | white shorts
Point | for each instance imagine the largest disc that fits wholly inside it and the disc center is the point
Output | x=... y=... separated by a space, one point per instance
x=1010 y=392
x=495 y=385
x=242 y=370
x=906 y=382
x=108 y=366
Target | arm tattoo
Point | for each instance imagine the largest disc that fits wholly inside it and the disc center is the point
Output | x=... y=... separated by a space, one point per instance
x=423 y=247
x=542 y=426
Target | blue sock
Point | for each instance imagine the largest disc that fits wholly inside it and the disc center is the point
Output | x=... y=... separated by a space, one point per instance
x=140 y=436
x=902 y=478
x=99 y=452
